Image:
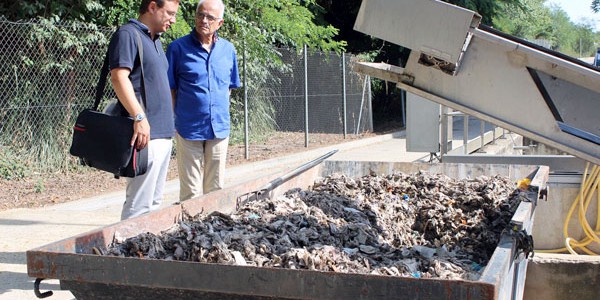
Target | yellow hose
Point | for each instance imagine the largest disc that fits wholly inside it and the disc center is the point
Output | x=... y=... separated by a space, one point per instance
x=590 y=233
x=586 y=191
x=589 y=185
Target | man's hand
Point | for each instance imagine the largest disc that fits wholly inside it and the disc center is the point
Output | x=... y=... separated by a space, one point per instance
x=124 y=90
x=141 y=134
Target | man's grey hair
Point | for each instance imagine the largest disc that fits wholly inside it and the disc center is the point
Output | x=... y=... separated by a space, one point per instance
x=219 y=2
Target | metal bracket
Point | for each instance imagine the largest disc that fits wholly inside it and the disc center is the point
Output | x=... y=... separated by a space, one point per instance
x=544 y=194
x=36 y=289
x=433 y=156
x=524 y=244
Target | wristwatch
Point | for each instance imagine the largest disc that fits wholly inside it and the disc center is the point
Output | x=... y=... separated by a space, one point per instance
x=139 y=117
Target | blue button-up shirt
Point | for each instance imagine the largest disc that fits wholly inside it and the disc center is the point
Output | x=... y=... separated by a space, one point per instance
x=202 y=81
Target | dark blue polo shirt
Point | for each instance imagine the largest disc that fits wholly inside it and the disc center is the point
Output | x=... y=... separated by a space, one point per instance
x=123 y=53
x=202 y=81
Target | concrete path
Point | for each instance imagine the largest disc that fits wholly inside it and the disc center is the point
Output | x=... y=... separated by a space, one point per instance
x=24 y=229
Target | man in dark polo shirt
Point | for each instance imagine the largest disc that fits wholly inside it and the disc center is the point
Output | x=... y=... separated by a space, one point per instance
x=147 y=99
x=202 y=70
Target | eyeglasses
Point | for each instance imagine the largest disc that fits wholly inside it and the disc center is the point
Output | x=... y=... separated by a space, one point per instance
x=210 y=18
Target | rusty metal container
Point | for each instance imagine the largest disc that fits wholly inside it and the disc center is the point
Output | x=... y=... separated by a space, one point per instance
x=90 y=276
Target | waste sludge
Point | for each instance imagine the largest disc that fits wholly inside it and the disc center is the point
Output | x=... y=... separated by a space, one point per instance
x=420 y=225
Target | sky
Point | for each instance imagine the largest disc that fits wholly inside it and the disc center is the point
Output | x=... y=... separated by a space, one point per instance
x=579 y=11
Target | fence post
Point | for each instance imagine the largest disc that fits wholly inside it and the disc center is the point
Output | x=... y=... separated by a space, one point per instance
x=403 y=106
x=481 y=135
x=344 y=92
x=444 y=132
x=305 y=96
x=246 y=136
x=369 y=102
x=503 y=135
x=465 y=133
x=362 y=102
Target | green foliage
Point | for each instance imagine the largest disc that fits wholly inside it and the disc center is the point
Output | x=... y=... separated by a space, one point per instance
x=42 y=73
x=533 y=20
x=260 y=116
x=11 y=166
x=39 y=186
x=530 y=20
x=488 y=9
x=290 y=23
x=585 y=41
x=260 y=26
x=117 y=12
x=68 y=10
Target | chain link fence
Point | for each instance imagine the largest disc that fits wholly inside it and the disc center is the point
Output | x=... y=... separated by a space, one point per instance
x=46 y=78
x=316 y=87
x=50 y=72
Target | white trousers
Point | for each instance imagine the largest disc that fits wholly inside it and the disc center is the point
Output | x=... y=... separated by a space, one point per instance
x=145 y=193
x=201 y=166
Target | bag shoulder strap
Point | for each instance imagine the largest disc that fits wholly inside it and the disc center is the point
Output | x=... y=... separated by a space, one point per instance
x=141 y=54
x=104 y=73
x=101 y=83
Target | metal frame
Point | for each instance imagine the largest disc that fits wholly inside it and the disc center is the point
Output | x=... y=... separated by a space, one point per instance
x=495 y=79
x=557 y=163
x=91 y=276
x=508 y=266
x=422 y=125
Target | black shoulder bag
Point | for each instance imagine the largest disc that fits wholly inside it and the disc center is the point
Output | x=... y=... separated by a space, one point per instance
x=102 y=141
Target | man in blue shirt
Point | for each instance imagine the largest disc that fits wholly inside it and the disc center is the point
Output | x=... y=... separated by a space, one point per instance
x=147 y=99
x=202 y=70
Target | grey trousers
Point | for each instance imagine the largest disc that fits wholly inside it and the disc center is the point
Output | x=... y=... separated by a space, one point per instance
x=145 y=193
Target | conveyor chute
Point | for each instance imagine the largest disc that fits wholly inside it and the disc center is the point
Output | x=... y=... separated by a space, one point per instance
x=536 y=92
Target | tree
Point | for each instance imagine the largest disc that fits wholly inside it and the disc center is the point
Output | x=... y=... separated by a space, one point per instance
x=530 y=19
x=537 y=21
x=562 y=29
x=584 y=41
x=69 y=10
x=488 y=9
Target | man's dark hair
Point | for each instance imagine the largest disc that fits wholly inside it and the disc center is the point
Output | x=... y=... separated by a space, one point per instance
x=159 y=3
